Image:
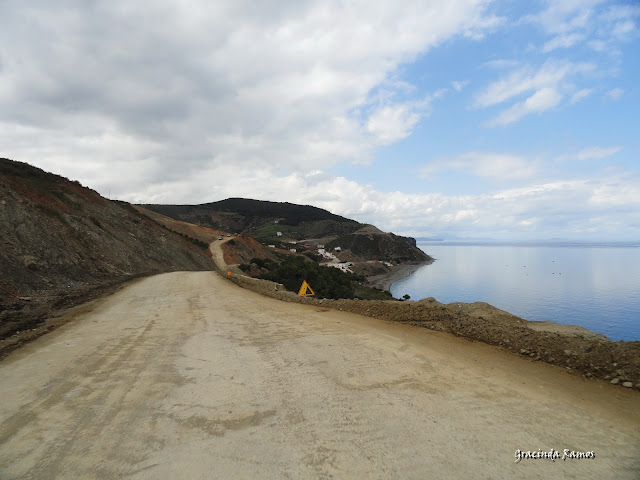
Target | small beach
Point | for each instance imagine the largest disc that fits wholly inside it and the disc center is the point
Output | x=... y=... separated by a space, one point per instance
x=398 y=272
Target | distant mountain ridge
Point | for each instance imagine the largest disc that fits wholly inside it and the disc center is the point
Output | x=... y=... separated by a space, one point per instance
x=290 y=225
x=250 y=217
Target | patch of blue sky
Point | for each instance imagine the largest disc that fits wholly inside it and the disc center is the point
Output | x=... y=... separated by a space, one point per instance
x=582 y=128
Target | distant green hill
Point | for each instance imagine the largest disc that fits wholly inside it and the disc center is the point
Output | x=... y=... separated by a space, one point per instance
x=262 y=219
x=282 y=224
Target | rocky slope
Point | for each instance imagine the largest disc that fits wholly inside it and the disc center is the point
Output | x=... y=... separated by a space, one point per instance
x=369 y=243
x=60 y=241
x=239 y=250
x=302 y=227
x=203 y=234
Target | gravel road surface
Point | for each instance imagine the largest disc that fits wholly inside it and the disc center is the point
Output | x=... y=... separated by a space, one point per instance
x=185 y=375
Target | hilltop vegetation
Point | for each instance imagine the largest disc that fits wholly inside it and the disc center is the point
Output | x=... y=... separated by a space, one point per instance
x=260 y=219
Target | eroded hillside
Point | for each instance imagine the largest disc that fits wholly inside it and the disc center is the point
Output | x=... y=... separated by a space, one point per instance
x=61 y=240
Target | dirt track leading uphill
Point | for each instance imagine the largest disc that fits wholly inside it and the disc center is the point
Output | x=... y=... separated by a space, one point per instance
x=185 y=375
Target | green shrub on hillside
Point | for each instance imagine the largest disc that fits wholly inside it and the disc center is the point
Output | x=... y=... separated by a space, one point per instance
x=326 y=282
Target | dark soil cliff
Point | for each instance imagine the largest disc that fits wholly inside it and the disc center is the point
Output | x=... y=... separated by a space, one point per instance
x=61 y=241
x=367 y=245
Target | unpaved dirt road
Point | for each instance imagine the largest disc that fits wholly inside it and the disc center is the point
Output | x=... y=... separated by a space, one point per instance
x=185 y=375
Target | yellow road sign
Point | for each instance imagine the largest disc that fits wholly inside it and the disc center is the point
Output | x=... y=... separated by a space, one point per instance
x=304 y=289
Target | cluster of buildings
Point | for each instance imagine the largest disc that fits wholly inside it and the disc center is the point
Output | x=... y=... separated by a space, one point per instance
x=333 y=260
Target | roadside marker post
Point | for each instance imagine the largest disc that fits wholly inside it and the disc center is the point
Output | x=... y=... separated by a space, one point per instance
x=304 y=289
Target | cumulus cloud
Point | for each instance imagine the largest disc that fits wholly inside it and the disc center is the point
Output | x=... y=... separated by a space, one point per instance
x=194 y=102
x=389 y=124
x=538 y=209
x=189 y=86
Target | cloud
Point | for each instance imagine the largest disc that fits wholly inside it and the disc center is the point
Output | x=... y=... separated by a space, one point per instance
x=591 y=153
x=562 y=16
x=580 y=95
x=389 y=124
x=457 y=86
x=575 y=208
x=188 y=87
x=501 y=63
x=525 y=79
x=620 y=20
x=542 y=100
x=621 y=29
x=391 y=121
x=494 y=166
x=596 y=153
x=562 y=41
x=614 y=94
x=198 y=101
x=601 y=24
x=598 y=45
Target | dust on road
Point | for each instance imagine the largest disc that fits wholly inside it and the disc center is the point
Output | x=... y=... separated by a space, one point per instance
x=185 y=375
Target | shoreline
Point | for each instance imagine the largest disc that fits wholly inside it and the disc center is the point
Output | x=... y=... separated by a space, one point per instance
x=397 y=273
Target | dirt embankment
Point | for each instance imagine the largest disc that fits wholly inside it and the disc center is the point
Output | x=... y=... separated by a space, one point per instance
x=63 y=244
x=240 y=249
x=574 y=348
x=204 y=234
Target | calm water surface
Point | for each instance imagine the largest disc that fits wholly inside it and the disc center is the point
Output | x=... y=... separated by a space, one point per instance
x=595 y=287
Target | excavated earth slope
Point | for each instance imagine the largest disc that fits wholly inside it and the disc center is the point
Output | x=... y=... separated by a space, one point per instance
x=62 y=241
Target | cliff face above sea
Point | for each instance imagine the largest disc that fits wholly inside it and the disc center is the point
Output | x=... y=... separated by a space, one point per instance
x=368 y=244
x=302 y=228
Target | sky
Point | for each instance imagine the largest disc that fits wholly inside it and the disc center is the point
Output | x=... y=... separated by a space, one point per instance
x=503 y=119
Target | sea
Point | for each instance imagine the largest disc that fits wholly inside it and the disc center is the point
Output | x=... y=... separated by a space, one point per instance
x=595 y=285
